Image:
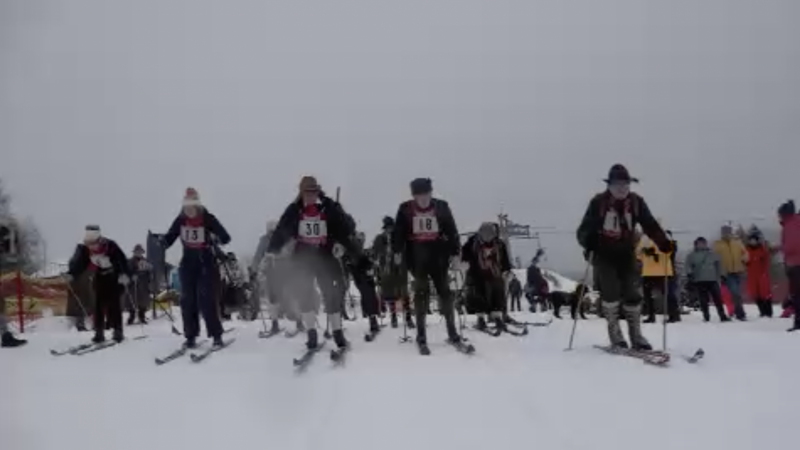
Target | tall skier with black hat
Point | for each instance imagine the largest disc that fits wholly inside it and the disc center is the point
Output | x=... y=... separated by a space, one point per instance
x=426 y=238
x=607 y=234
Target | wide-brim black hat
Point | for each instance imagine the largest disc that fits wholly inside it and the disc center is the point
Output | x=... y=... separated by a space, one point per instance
x=618 y=172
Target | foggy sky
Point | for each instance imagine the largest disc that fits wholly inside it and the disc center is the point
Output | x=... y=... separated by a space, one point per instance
x=109 y=110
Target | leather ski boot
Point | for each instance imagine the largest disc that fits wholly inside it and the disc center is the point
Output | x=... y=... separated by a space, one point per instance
x=275 y=328
x=190 y=343
x=312 y=341
x=131 y=318
x=118 y=336
x=339 y=339
x=410 y=321
x=9 y=341
x=481 y=325
x=615 y=337
x=634 y=319
x=99 y=337
x=143 y=317
x=218 y=342
x=373 y=324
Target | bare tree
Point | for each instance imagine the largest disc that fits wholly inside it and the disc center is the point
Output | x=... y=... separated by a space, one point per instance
x=30 y=252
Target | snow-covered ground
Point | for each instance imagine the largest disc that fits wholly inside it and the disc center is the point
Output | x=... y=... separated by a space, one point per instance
x=514 y=392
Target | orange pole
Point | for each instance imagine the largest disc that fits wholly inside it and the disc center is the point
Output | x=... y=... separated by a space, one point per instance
x=20 y=305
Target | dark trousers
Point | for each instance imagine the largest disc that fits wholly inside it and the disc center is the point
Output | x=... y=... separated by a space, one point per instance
x=198 y=297
x=650 y=284
x=705 y=290
x=764 y=307
x=516 y=302
x=793 y=273
x=367 y=289
x=425 y=272
x=108 y=303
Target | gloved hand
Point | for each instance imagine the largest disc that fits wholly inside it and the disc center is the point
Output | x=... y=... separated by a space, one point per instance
x=455 y=261
x=398 y=258
x=338 y=250
x=665 y=246
x=124 y=280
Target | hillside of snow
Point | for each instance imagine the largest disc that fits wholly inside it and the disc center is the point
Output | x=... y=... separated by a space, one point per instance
x=514 y=391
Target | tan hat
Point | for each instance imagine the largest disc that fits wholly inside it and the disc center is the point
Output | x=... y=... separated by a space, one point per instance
x=309 y=183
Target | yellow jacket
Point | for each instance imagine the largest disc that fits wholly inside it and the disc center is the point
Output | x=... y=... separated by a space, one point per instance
x=732 y=255
x=651 y=267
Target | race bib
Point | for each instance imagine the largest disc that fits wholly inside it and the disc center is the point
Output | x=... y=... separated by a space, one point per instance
x=101 y=261
x=193 y=235
x=144 y=266
x=312 y=230
x=425 y=224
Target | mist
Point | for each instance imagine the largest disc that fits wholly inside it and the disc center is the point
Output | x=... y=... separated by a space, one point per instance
x=109 y=110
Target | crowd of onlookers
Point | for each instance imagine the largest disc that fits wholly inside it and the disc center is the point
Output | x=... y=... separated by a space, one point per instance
x=737 y=266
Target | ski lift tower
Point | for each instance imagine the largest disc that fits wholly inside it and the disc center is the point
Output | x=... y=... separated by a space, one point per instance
x=512 y=230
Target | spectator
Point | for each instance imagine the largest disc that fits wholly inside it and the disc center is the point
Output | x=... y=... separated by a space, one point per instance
x=703 y=272
x=732 y=256
x=790 y=245
x=758 y=260
x=515 y=292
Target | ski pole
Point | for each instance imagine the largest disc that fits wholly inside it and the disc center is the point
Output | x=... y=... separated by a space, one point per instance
x=581 y=293
x=77 y=298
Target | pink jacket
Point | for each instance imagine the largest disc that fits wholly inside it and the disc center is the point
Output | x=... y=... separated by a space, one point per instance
x=790 y=241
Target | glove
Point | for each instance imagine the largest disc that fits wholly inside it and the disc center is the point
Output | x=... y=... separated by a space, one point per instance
x=338 y=250
x=455 y=262
x=587 y=255
x=124 y=280
x=398 y=258
x=664 y=246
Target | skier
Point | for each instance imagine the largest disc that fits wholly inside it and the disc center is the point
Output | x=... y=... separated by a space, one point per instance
x=790 y=245
x=757 y=280
x=111 y=278
x=199 y=231
x=142 y=277
x=7 y=339
x=426 y=238
x=607 y=235
x=703 y=271
x=515 y=292
x=393 y=278
x=232 y=283
x=360 y=268
x=319 y=226
x=489 y=267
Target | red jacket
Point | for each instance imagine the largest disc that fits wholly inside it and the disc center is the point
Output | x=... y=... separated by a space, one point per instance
x=758 y=283
x=790 y=240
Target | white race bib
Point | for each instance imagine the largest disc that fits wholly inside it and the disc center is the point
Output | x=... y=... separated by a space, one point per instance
x=193 y=235
x=101 y=261
x=425 y=224
x=312 y=229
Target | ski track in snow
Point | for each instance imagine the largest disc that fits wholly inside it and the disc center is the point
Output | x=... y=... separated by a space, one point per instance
x=513 y=391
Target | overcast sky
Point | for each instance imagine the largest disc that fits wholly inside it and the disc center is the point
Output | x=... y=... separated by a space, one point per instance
x=109 y=109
